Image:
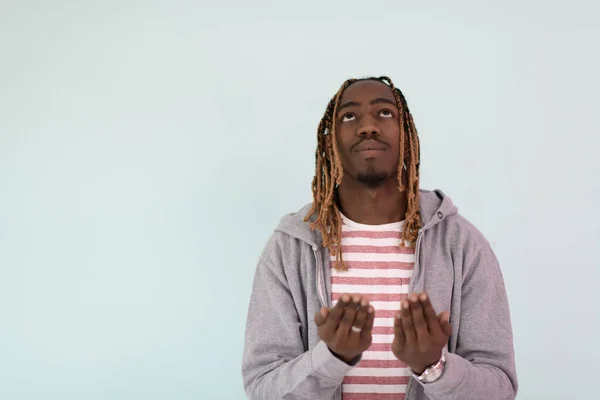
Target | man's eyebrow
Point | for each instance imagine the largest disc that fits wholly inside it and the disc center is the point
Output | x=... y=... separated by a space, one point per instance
x=383 y=100
x=349 y=104
x=372 y=102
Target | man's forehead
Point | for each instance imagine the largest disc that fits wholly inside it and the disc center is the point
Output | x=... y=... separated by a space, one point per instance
x=367 y=88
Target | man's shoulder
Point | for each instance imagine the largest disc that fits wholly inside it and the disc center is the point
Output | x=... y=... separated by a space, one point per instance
x=439 y=209
x=297 y=225
x=464 y=233
x=298 y=216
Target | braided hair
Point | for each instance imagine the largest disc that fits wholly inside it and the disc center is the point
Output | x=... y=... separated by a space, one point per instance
x=329 y=174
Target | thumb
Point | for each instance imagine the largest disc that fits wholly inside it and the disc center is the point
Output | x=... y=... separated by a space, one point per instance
x=321 y=316
x=444 y=319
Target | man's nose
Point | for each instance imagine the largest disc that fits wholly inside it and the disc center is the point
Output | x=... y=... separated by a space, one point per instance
x=368 y=128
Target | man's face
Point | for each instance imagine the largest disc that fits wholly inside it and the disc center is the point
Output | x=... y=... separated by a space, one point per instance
x=368 y=133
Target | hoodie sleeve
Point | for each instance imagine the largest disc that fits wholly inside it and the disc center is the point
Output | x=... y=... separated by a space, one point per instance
x=276 y=364
x=483 y=365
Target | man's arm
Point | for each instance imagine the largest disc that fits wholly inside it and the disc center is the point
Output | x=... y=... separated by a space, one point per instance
x=483 y=366
x=275 y=364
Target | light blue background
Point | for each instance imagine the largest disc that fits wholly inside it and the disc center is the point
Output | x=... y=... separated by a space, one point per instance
x=147 y=150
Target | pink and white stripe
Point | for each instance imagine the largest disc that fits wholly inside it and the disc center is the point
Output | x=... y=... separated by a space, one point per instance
x=380 y=270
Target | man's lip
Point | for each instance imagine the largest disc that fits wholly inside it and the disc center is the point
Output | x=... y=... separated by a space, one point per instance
x=370 y=147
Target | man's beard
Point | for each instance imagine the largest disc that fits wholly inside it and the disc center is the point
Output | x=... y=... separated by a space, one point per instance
x=372 y=178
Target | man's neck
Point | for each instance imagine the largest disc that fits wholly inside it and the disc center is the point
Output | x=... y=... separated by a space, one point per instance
x=372 y=206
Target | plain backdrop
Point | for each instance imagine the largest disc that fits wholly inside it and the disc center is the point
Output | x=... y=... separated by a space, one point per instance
x=148 y=149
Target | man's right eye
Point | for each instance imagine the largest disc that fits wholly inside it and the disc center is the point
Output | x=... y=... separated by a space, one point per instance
x=348 y=117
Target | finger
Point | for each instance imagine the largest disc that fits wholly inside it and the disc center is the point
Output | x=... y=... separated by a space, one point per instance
x=329 y=328
x=430 y=317
x=418 y=317
x=369 y=322
x=349 y=315
x=444 y=320
x=336 y=312
x=361 y=318
x=410 y=335
x=321 y=316
x=361 y=315
x=398 y=329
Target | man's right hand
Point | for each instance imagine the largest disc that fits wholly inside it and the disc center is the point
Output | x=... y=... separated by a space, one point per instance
x=335 y=326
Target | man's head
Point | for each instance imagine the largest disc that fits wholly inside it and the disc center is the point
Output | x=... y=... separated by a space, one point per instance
x=367 y=134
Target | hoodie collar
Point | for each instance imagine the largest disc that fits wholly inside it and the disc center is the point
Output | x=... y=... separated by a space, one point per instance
x=435 y=207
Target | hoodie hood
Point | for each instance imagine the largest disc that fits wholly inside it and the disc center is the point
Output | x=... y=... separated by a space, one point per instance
x=435 y=206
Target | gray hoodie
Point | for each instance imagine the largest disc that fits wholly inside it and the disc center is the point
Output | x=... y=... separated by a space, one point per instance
x=285 y=359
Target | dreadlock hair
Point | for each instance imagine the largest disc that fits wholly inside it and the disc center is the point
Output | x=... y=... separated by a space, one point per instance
x=329 y=173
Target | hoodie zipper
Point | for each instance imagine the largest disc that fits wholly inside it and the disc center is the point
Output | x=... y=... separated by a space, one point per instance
x=417 y=252
x=409 y=386
x=320 y=292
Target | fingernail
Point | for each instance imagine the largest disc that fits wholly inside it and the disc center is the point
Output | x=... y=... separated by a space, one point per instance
x=356 y=299
x=423 y=297
x=398 y=316
x=345 y=298
x=371 y=310
x=364 y=303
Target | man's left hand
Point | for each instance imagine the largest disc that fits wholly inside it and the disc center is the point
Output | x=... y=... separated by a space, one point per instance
x=420 y=334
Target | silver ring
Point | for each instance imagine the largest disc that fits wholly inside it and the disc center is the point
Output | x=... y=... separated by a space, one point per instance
x=356 y=329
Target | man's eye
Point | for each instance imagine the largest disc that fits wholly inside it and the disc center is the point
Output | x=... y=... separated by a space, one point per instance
x=348 y=117
x=386 y=114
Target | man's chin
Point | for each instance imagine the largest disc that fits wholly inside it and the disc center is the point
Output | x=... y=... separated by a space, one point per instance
x=372 y=179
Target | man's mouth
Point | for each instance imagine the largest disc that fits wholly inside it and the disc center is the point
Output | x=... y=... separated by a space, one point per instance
x=370 y=147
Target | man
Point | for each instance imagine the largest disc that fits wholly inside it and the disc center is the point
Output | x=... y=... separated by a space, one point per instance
x=346 y=290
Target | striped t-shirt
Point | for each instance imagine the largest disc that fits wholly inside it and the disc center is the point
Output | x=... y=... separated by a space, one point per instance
x=380 y=270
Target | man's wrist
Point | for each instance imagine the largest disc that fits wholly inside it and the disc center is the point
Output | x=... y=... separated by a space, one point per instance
x=342 y=358
x=431 y=373
x=418 y=370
